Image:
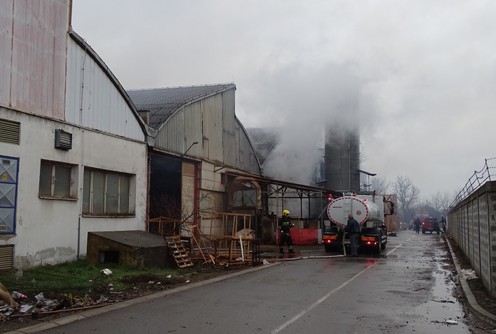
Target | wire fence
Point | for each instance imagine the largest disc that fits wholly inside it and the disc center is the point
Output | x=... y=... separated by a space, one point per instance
x=477 y=180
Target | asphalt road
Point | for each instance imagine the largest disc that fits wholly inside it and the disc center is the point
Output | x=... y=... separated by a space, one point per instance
x=409 y=289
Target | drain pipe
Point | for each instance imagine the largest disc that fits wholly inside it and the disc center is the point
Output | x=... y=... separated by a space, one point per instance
x=78 y=237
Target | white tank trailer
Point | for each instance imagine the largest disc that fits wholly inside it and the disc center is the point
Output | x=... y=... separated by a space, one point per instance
x=364 y=208
x=368 y=211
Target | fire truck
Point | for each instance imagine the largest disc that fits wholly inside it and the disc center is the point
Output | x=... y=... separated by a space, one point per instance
x=369 y=212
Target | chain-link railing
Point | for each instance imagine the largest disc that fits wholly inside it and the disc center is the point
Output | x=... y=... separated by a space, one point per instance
x=477 y=180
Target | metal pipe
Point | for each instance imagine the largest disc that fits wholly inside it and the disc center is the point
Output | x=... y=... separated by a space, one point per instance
x=78 y=238
x=190 y=146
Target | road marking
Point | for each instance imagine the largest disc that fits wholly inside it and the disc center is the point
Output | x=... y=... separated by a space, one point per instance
x=323 y=299
x=395 y=248
x=318 y=302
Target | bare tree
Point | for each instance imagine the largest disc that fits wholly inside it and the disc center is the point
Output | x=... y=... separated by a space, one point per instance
x=380 y=185
x=441 y=202
x=427 y=206
x=407 y=195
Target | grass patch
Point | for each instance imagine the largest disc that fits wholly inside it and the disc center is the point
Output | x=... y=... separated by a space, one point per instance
x=77 y=278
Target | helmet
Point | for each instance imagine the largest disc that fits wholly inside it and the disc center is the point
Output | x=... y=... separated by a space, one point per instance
x=285 y=212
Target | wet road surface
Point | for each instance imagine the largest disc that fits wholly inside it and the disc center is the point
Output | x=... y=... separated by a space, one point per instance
x=409 y=289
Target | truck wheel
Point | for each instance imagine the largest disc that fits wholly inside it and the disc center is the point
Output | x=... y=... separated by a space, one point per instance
x=327 y=248
x=423 y=231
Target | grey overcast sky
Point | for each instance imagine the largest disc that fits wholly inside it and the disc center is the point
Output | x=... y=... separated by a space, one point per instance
x=418 y=75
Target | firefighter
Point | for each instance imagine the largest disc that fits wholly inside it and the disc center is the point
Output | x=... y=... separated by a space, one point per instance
x=417 y=225
x=285 y=232
x=443 y=224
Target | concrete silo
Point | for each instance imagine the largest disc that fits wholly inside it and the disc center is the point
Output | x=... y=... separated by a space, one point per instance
x=342 y=160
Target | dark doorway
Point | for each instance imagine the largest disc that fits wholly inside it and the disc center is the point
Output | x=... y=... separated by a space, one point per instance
x=165 y=187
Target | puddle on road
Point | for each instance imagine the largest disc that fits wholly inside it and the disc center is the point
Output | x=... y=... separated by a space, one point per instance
x=443 y=310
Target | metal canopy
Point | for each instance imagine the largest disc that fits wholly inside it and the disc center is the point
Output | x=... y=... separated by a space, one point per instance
x=281 y=190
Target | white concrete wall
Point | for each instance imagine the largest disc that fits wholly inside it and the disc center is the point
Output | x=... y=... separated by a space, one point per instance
x=472 y=223
x=52 y=231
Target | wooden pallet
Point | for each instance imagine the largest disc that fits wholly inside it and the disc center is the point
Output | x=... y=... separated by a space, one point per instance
x=177 y=250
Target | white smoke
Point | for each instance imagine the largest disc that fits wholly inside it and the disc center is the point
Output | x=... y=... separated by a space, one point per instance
x=301 y=102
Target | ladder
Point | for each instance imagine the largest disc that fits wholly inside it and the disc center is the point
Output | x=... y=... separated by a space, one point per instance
x=177 y=250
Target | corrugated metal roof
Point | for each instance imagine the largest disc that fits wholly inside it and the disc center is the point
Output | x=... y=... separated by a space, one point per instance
x=163 y=102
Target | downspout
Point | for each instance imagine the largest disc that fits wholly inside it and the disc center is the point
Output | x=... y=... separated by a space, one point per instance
x=78 y=238
x=148 y=176
x=81 y=102
x=196 y=196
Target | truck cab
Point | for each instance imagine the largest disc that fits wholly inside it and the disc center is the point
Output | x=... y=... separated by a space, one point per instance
x=429 y=225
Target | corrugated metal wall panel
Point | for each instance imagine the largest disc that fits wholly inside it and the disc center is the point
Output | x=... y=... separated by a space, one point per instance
x=228 y=106
x=212 y=123
x=175 y=135
x=238 y=152
x=94 y=101
x=246 y=154
x=73 y=85
x=171 y=135
x=39 y=57
x=193 y=129
x=6 y=8
x=231 y=149
x=212 y=127
x=247 y=157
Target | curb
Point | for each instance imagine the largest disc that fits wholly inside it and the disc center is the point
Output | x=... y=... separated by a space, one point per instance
x=304 y=257
x=473 y=305
x=90 y=313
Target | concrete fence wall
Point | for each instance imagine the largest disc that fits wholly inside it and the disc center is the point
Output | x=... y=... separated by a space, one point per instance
x=472 y=223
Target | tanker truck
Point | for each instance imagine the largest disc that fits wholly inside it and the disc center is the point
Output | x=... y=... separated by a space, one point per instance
x=368 y=210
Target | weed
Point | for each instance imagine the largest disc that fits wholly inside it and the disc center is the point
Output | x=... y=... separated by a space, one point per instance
x=76 y=278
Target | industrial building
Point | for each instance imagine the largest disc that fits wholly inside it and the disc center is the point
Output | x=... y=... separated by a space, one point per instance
x=73 y=151
x=80 y=155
